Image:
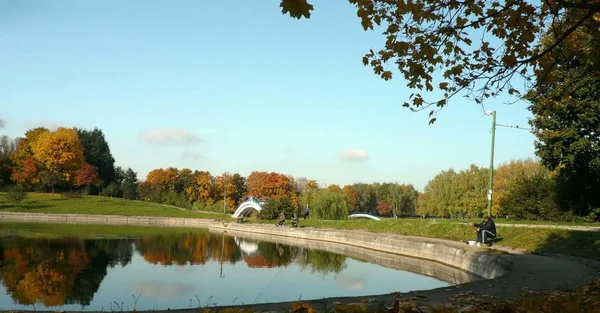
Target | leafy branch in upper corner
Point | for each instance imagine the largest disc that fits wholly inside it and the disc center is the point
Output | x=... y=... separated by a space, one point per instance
x=478 y=46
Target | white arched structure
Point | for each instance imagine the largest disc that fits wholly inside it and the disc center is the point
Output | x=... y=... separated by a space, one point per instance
x=364 y=215
x=246 y=207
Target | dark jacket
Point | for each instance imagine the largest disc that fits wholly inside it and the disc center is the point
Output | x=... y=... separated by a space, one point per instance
x=489 y=226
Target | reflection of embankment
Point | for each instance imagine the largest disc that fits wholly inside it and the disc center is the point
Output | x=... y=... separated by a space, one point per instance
x=418 y=266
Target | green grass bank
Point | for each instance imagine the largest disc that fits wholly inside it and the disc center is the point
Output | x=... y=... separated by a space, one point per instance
x=567 y=242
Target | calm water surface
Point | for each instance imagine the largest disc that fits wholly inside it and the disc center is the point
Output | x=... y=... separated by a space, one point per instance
x=180 y=269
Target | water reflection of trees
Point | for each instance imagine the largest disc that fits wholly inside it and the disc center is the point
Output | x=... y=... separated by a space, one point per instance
x=69 y=271
x=58 y=271
x=189 y=248
x=322 y=262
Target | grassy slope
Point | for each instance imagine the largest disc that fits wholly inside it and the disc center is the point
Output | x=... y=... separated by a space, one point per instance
x=582 y=244
x=54 y=203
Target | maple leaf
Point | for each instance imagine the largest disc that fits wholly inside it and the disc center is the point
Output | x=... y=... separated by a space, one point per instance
x=296 y=8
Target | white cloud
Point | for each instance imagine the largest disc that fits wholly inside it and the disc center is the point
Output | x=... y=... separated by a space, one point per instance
x=169 y=136
x=354 y=155
x=162 y=291
x=191 y=155
x=351 y=283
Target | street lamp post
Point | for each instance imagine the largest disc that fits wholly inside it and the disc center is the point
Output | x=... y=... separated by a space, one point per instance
x=491 y=182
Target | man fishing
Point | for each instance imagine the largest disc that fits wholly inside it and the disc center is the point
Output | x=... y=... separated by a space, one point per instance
x=485 y=230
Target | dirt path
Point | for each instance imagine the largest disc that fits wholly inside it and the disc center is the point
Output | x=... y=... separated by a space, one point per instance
x=183 y=209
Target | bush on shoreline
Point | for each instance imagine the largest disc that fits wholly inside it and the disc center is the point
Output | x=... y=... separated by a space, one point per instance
x=16 y=194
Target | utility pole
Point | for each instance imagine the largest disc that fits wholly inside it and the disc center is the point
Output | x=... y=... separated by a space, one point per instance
x=491 y=182
x=224 y=194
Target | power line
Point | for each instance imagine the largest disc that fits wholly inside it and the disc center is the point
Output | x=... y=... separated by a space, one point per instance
x=513 y=126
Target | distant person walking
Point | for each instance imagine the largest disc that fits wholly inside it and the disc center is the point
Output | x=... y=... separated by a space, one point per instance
x=306 y=212
x=485 y=230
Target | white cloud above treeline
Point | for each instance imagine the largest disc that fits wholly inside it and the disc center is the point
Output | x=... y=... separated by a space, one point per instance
x=170 y=136
x=354 y=155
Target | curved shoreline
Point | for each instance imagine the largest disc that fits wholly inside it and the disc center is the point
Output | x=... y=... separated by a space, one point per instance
x=506 y=273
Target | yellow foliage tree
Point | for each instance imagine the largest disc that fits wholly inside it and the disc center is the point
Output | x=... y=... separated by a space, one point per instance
x=60 y=152
x=203 y=190
x=161 y=179
x=510 y=174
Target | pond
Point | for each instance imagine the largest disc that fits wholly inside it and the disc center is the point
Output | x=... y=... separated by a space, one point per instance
x=112 y=268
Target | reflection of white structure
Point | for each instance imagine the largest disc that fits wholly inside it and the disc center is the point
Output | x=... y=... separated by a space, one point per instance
x=247 y=206
x=247 y=247
x=364 y=216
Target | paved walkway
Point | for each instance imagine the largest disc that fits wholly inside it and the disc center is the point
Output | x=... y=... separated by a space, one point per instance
x=547 y=226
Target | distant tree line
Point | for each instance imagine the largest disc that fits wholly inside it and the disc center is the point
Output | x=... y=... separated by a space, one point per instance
x=71 y=159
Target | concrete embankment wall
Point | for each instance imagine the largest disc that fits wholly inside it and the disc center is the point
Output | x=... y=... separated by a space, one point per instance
x=429 y=268
x=105 y=219
x=482 y=263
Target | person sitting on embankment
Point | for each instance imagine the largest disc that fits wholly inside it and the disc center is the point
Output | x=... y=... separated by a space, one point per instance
x=485 y=230
x=281 y=219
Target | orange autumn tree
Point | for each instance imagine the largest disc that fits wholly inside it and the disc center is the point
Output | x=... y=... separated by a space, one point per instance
x=351 y=195
x=334 y=188
x=60 y=152
x=383 y=208
x=27 y=168
x=87 y=175
x=271 y=185
x=27 y=172
x=161 y=179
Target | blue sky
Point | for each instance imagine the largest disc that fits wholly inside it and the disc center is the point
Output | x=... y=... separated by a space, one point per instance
x=233 y=86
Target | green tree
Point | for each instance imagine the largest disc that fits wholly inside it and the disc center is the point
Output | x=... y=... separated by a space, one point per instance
x=273 y=207
x=328 y=205
x=97 y=153
x=469 y=192
x=51 y=179
x=129 y=184
x=531 y=197
x=438 y=195
x=404 y=199
x=427 y=37
x=239 y=184
x=367 y=199
x=566 y=107
x=7 y=149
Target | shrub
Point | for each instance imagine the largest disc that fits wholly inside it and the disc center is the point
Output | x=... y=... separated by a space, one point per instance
x=273 y=207
x=328 y=205
x=16 y=194
x=177 y=199
x=112 y=190
x=594 y=216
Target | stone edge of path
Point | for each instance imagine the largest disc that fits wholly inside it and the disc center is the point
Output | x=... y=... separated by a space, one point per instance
x=508 y=271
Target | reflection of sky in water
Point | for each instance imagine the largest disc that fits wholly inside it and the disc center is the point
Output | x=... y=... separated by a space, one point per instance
x=173 y=286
